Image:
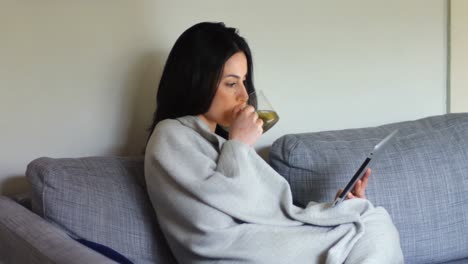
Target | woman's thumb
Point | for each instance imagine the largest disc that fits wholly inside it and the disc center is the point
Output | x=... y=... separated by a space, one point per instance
x=236 y=110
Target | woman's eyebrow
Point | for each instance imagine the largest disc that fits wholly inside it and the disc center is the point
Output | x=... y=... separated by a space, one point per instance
x=232 y=75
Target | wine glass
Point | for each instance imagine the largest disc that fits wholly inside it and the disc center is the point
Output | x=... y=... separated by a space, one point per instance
x=264 y=109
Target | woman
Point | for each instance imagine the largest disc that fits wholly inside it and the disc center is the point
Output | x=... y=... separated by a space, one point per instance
x=216 y=200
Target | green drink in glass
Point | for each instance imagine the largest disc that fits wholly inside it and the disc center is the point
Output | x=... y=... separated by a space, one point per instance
x=264 y=109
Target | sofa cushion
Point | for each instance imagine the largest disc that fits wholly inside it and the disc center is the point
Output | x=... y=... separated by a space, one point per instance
x=421 y=179
x=100 y=199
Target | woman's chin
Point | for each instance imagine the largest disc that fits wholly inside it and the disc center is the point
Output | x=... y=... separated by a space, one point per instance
x=225 y=125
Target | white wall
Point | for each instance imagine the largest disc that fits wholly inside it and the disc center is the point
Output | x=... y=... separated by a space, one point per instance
x=458 y=56
x=78 y=78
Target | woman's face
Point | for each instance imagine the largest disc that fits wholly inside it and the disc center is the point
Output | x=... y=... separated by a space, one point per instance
x=231 y=92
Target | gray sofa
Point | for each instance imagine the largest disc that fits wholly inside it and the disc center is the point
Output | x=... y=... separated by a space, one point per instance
x=421 y=178
x=82 y=206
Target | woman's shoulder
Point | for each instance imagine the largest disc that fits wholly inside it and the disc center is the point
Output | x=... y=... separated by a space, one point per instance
x=168 y=133
x=171 y=128
x=168 y=124
x=173 y=135
x=183 y=130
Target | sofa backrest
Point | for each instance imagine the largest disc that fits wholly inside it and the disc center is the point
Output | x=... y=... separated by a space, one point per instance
x=421 y=179
x=102 y=200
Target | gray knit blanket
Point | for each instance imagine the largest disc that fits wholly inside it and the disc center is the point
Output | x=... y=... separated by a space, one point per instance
x=217 y=201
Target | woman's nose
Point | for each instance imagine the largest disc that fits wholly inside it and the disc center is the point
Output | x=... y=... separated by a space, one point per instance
x=243 y=96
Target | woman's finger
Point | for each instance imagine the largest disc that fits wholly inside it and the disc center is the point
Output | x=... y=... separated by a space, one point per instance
x=249 y=109
x=361 y=192
x=358 y=188
x=236 y=111
x=338 y=193
x=365 y=179
x=259 y=122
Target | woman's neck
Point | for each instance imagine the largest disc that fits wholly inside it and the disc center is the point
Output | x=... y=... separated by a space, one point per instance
x=210 y=124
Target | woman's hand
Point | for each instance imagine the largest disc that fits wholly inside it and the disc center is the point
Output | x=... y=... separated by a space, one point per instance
x=359 y=190
x=246 y=126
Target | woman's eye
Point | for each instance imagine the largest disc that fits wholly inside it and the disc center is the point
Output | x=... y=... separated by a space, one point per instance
x=231 y=84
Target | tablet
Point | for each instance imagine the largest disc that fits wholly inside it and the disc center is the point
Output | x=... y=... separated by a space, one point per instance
x=373 y=155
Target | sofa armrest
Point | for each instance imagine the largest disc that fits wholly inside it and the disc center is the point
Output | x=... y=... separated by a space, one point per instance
x=27 y=238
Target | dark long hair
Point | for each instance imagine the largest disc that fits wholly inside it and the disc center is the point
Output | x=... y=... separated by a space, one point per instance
x=193 y=70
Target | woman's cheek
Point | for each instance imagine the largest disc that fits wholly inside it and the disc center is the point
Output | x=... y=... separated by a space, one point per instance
x=228 y=117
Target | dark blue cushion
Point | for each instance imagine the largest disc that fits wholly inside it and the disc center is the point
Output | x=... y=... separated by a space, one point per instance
x=104 y=250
